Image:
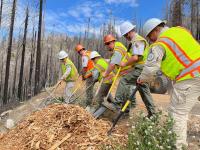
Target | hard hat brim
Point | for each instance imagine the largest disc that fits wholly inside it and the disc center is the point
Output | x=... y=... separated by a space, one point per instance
x=163 y=21
x=134 y=26
x=63 y=57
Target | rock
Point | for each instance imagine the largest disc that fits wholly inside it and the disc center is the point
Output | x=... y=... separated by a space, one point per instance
x=9 y=123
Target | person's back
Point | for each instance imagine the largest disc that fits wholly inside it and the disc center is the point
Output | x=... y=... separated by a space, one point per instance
x=177 y=54
x=73 y=76
x=182 y=52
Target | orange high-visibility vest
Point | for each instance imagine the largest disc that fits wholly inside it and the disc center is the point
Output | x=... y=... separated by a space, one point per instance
x=90 y=65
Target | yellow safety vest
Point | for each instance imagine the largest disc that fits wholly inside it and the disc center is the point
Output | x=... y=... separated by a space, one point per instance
x=182 y=54
x=143 y=58
x=101 y=65
x=73 y=74
x=119 y=47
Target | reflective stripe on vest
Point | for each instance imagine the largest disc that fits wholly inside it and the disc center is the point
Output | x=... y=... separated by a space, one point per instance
x=121 y=51
x=101 y=65
x=73 y=75
x=119 y=47
x=193 y=69
x=176 y=50
x=182 y=54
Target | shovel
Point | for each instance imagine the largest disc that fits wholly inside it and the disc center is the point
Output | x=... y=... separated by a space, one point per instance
x=122 y=111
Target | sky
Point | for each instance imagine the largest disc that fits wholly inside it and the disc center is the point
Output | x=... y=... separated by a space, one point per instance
x=71 y=16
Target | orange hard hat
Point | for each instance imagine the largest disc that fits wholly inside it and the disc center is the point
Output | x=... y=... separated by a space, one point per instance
x=109 y=38
x=79 y=47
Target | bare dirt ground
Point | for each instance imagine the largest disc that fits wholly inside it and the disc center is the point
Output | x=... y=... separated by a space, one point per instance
x=161 y=102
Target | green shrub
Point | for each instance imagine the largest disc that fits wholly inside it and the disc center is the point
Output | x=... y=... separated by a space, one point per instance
x=152 y=134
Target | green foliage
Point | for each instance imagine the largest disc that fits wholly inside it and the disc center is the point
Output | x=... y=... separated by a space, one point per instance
x=152 y=134
x=55 y=100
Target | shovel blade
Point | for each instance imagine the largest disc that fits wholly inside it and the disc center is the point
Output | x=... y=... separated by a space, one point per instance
x=99 y=112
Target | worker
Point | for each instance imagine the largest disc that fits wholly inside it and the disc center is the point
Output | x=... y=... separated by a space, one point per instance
x=139 y=50
x=87 y=66
x=177 y=54
x=100 y=66
x=119 y=54
x=70 y=73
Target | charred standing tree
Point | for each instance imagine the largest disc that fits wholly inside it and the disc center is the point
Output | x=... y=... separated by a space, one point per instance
x=177 y=12
x=198 y=22
x=5 y=94
x=20 y=85
x=1 y=9
x=33 y=43
x=195 y=18
x=38 y=53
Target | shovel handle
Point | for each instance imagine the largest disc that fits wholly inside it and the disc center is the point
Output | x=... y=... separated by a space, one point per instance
x=122 y=111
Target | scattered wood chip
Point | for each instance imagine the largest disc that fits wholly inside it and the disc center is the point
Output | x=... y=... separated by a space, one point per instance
x=70 y=125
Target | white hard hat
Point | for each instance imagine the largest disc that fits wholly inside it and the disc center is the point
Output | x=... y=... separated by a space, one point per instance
x=126 y=27
x=151 y=24
x=94 y=54
x=62 y=54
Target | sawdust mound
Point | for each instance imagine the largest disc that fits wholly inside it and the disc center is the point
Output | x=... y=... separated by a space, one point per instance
x=68 y=127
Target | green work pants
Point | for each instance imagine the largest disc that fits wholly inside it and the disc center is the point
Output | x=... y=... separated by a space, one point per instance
x=89 y=91
x=129 y=81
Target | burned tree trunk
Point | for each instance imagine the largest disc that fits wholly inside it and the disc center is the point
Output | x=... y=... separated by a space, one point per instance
x=20 y=85
x=38 y=53
x=1 y=9
x=176 y=12
x=5 y=94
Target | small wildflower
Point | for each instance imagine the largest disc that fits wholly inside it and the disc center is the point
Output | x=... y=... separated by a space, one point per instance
x=161 y=147
x=167 y=140
x=169 y=147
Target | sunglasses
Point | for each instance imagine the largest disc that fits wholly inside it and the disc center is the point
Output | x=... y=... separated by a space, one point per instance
x=108 y=43
x=81 y=50
x=125 y=35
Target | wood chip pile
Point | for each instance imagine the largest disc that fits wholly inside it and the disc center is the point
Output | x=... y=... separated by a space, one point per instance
x=64 y=127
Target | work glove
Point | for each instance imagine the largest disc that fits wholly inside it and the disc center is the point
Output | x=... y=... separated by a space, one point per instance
x=83 y=78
